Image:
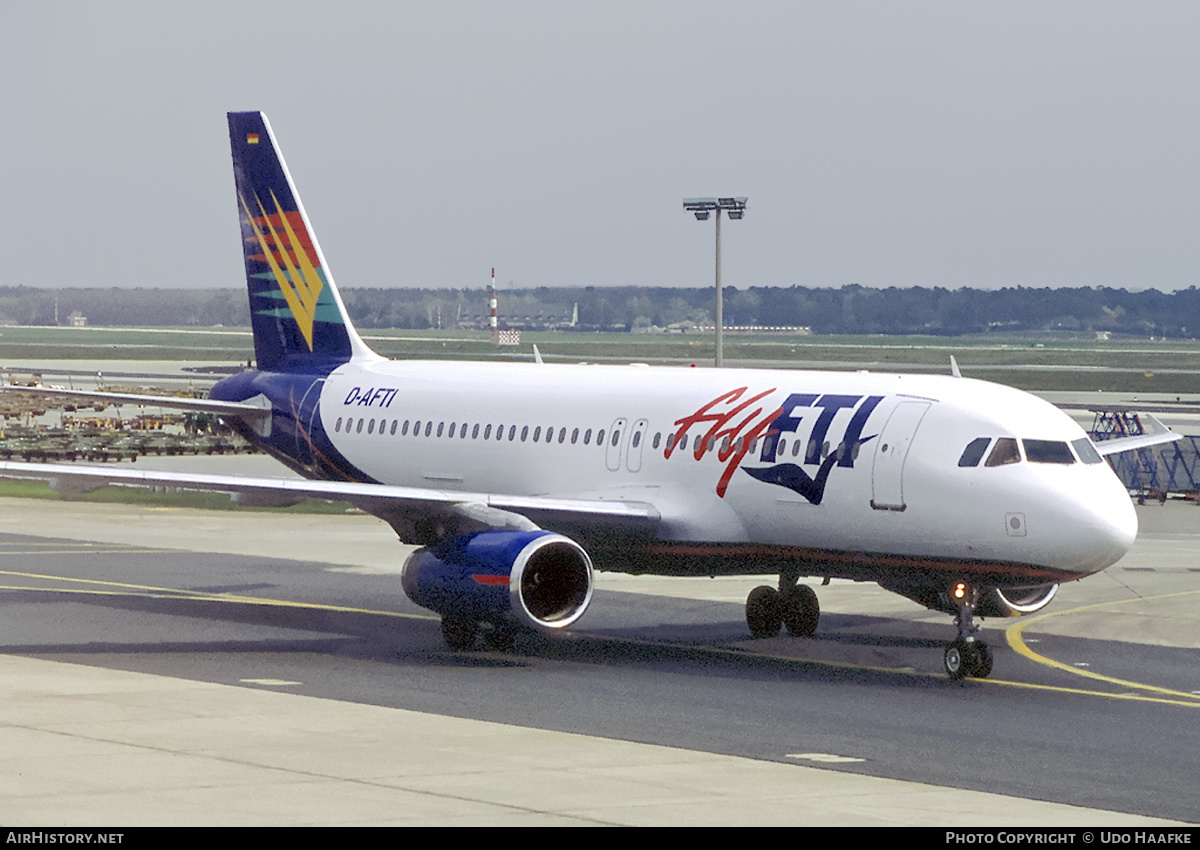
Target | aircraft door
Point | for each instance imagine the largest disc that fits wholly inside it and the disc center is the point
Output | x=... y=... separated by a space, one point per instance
x=637 y=439
x=615 y=444
x=891 y=452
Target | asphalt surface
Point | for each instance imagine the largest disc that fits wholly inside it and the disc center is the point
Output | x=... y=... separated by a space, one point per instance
x=177 y=667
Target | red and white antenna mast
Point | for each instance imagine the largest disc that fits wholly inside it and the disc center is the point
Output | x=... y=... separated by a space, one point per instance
x=495 y=329
x=500 y=337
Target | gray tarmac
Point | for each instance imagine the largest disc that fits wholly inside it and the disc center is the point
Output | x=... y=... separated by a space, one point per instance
x=84 y=745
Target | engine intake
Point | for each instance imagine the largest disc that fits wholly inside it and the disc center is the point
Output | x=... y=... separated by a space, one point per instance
x=538 y=578
x=1015 y=601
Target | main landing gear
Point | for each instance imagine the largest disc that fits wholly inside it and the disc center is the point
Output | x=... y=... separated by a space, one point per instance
x=793 y=605
x=461 y=634
x=966 y=655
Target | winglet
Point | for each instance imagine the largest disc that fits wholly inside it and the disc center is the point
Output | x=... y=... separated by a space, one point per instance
x=954 y=367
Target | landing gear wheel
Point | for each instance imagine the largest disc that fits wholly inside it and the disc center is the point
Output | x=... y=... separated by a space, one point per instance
x=764 y=614
x=965 y=658
x=801 y=610
x=984 y=664
x=459 y=633
x=955 y=659
x=970 y=659
x=500 y=638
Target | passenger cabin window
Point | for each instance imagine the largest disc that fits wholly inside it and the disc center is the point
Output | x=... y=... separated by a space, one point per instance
x=1003 y=453
x=973 y=453
x=1086 y=451
x=1047 y=451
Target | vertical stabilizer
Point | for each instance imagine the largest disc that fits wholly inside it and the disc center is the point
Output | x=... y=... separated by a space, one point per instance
x=299 y=321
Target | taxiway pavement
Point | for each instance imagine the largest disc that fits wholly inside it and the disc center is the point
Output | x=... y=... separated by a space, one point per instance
x=81 y=744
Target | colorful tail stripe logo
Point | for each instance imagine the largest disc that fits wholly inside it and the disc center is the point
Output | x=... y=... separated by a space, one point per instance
x=288 y=250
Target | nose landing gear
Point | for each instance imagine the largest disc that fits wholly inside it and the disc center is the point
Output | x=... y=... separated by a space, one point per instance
x=966 y=655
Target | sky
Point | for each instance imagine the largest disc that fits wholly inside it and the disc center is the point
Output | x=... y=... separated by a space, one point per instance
x=879 y=143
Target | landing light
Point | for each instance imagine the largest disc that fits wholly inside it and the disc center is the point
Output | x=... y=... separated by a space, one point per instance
x=960 y=590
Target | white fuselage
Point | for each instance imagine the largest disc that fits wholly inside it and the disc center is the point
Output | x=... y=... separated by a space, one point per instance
x=609 y=432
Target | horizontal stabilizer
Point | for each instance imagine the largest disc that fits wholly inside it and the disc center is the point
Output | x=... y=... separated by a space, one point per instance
x=247 y=411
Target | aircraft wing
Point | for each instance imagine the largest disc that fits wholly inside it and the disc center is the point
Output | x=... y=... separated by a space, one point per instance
x=408 y=509
x=246 y=410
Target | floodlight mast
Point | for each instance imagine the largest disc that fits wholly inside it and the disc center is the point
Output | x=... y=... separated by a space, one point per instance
x=735 y=208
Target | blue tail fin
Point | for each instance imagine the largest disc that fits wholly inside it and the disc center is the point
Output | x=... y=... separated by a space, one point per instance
x=299 y=321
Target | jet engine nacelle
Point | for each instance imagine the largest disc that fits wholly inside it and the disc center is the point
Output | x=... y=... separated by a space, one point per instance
x=1015 y=601
x=993 y=601
x=539 y=578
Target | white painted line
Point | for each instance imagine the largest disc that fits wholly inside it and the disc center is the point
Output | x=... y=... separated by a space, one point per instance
x=828 y=758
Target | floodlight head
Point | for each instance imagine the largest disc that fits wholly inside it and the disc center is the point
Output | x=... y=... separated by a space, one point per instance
x=736 y=207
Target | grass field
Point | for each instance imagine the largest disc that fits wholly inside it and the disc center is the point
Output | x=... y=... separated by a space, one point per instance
x=1111 y=366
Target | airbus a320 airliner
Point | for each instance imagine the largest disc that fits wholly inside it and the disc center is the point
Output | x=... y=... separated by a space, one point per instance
x=518 y=480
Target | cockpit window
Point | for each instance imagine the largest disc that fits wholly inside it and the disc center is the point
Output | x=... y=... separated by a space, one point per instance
x=1004 y=452
x=1047 y=451
x=1086 y=451
x=973 y=453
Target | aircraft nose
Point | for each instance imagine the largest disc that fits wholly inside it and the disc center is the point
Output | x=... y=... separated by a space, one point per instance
x=1110 y=525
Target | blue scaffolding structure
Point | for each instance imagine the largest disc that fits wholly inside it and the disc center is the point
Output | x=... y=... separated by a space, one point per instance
x=1156 y=472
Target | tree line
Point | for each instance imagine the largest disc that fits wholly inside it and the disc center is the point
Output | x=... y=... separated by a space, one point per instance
x=849 y=309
